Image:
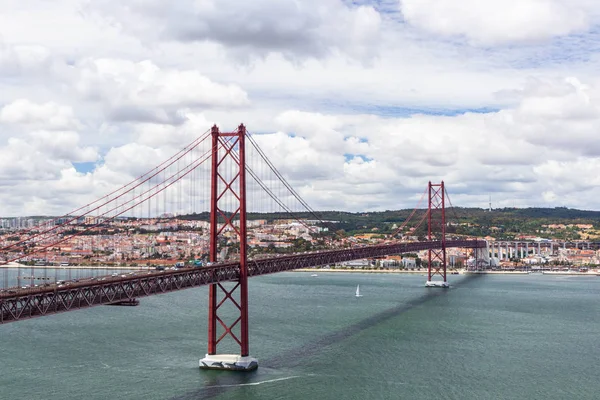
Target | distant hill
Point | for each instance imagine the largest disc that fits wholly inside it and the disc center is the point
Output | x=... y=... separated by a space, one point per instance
x=504 y=222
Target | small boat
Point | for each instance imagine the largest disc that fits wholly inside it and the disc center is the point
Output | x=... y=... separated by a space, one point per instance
x=358 y=291
x=314 y=275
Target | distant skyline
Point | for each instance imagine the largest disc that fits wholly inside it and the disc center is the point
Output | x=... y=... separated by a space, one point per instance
x=372 y=98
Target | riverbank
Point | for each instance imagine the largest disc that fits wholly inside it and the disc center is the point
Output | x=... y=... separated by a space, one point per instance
x=424 y=272
x=589 y=273
x=497 y=272
x=365 y=271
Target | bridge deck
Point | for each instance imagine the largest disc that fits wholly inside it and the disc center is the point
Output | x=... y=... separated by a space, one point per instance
x=21 y=304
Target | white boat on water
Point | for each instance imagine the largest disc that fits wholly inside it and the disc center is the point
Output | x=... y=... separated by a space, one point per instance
x=314 y=275
x=358 y=291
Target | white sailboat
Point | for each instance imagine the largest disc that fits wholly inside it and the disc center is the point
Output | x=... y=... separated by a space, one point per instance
x=358 y=291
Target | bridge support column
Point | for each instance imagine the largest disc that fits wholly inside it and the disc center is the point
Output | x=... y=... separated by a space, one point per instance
x=521 y=251
x=228 y=189
x=437 y=219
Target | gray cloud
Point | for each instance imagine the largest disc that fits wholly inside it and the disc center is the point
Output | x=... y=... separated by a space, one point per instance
x=310 y=28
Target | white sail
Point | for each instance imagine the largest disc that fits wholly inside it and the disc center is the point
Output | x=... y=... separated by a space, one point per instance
x=358 y=291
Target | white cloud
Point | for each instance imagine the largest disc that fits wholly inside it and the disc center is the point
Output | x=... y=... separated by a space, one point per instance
x=491 y=22
x=48 y=115
x=357 y=105
x=18 y=59
x=42 y=155
x=20 y=161
x=522 y=152
x=62 y=145
x=144 y=92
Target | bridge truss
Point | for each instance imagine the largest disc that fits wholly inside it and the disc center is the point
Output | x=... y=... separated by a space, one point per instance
x=29 y=303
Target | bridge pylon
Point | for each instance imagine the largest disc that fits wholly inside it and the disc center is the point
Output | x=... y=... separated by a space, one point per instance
x=436 y=229
x=228 y=213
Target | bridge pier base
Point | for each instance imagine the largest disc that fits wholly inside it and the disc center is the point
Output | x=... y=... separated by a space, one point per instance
x=232 y=362
x=127 y=302
x=442 y=284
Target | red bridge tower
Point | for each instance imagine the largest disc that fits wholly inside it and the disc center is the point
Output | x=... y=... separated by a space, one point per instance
x=228 y=212
x=436 y=263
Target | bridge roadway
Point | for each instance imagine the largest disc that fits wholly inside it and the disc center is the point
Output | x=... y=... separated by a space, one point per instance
x=17 y=304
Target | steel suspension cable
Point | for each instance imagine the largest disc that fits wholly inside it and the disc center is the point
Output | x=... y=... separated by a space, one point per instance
x=451 y=205
x=194 y=143
x=270 y=192
x=275 y=198
x=282 y=179
x=421 y=221
x=411 y=214
x=132 y=189
x=119 y=213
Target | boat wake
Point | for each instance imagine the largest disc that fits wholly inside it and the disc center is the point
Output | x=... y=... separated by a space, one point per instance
x=256 y=383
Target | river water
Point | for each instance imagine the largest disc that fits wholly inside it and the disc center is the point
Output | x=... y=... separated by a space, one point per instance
x=487 y=337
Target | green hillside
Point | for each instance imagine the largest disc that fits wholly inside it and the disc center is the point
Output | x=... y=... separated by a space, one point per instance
x=500 y=223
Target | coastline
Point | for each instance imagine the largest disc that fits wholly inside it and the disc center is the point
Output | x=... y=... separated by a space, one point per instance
x=363 y=271
x=461 y=272
x=589 y=273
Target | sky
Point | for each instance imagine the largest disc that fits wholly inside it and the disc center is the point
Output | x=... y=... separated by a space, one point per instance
x=359 y=103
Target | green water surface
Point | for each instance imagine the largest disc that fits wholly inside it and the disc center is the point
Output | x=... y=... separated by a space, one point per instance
x=487 y=337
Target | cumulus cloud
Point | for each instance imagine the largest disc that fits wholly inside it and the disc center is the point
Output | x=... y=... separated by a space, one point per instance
x=40 y=146
x=17 y=59
x=146 y=93
x=522 y=152
x=492 y=22
x=42 y=155
x=48 y=115
x=311 y=28
x=359 y=104
x=62 y=145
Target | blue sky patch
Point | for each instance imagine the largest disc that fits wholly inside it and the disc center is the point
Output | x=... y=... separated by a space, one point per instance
x=348 y=157
x=84 y=167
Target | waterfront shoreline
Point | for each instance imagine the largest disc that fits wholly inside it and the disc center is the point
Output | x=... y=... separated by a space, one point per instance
x=399 y=271
x=363 y=271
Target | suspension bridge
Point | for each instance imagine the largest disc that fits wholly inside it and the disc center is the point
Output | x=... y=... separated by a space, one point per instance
x=219 y=174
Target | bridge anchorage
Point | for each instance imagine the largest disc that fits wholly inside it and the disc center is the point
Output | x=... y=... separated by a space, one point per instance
x=436 y=218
